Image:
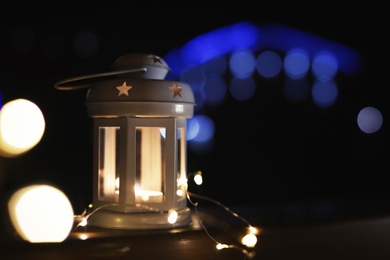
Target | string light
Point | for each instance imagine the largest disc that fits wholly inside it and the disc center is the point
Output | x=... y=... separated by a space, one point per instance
x=249 y=240
x=172 y=216
x=82 y=219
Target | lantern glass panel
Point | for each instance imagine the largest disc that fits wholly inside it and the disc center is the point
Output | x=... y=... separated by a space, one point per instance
x=150 y=164
x=181 y=176
x=108 y=160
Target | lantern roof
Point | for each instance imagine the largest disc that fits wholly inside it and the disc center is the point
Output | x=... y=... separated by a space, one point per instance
x=140 y=97
x=138 y=89
x=155 y=66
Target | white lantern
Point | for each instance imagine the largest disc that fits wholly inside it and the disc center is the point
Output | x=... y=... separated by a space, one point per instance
x=139 y=165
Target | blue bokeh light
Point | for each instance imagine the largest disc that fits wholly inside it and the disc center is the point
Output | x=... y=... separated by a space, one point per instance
x=324 y=94
x=296 y=63
x=369 y=120
x=324 y=66
x=242 y=63
x=200 y=134
x=234 y=53
x=269 y=64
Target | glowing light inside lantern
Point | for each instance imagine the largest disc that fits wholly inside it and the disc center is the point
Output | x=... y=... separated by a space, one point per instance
x=117 y=185
x=41 y=214
x=182 y=184
x=109 y=158
x=147 y=195
x=150 y=178
x=21 y=127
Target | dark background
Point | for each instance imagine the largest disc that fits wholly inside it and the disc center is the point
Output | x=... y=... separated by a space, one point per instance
x=266 y=151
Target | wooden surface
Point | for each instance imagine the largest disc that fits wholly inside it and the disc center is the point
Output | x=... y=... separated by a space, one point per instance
x=360 y=238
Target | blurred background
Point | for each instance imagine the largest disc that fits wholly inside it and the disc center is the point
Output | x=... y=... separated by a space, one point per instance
x=290 y=98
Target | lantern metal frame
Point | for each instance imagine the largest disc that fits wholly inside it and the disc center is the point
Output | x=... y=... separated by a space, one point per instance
x=145 y=100
x=119 y=213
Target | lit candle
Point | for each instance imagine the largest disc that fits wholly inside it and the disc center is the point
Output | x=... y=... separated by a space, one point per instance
x=147 y=195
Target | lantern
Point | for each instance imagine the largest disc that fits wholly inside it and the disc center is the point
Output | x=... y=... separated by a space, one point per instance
x=139 y=133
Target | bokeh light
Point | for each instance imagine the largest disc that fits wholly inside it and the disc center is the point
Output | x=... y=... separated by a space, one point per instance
x=324 y=94
x=244 y=53
x=22 y=125
x=369 y=120
x=200 y=134
x=269 y=64
x=204 y=126
x=41 y=214
x=242 y=63
x=296 y=63
x=324 y=66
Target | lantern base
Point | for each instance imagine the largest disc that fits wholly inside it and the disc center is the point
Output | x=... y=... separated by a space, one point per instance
x=138 y=221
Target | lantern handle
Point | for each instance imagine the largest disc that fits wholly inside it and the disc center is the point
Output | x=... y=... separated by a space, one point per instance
x=61 y=85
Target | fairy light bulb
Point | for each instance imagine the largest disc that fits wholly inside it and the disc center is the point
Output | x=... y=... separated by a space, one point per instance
x=220 y=246
x=198 y=178
x=172 y=216
x=249 y=240
x=21 y=127
x=83 y=222
x=253 y=230
x=41 y=214
x=83 y=236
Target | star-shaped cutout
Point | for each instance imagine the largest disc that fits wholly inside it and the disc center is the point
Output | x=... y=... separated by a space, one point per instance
x=176 y=90
x=124 y=89
x=155 y=58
